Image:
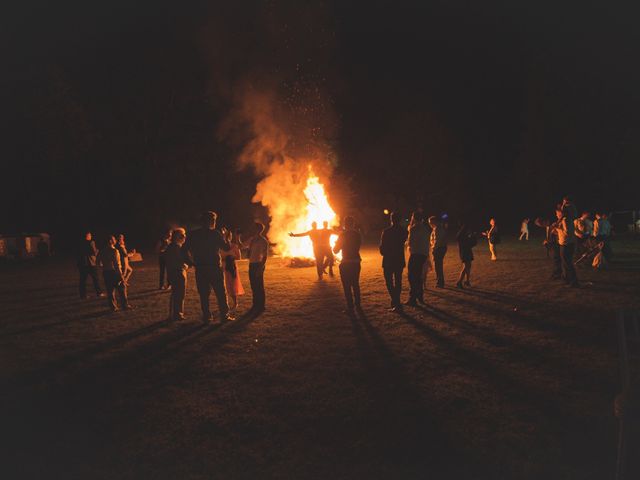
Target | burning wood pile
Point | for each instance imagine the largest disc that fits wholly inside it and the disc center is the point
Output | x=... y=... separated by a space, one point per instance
x=295 y=210
x=300 y=262
x=284 y=144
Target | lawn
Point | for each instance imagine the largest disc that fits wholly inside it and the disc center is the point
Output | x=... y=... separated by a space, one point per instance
x=511 y=379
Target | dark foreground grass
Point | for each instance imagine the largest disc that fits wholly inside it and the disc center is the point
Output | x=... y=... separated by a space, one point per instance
x=513 y=378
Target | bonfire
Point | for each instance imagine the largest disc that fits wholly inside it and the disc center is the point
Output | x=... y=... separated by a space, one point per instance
x=296 y=205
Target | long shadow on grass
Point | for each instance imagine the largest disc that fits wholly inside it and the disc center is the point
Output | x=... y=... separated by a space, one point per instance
x=403 y=426
x=516 y=390
x=523 y=392
x=44 y=303
x=83 y=358
x=45 y=326
x=550 y=358
x=30 y=306
x=523 y=313
x=170 y=342
x=45 y=417
x=220 y=334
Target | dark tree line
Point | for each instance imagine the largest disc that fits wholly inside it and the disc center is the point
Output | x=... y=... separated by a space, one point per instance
x=111 y=114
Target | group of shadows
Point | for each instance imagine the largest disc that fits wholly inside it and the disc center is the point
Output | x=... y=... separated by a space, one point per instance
x=408 y=437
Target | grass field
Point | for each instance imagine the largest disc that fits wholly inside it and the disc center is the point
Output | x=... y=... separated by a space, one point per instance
x=511 y=379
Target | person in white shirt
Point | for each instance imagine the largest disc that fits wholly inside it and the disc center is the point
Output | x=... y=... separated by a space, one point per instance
x=524 y=229
x=418 y=242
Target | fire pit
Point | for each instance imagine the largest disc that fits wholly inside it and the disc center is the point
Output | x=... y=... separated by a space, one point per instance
x=300 y=262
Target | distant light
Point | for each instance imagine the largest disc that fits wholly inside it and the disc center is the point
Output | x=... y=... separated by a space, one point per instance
x=386 y=212
x=445 y=216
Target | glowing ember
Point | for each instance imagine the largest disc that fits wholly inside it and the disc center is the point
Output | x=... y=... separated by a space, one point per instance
x=316 y=208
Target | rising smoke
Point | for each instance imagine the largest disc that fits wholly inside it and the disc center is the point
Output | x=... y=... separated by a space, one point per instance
x=280 y=119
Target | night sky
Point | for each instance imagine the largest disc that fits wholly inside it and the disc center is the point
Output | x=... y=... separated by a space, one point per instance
x=112 y=111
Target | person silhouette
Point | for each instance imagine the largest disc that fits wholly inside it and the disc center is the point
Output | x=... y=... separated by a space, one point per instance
x=127 y=270
x=176 y=264
x=348 y=243
x=524 y=229
x=553 y=247
x=329 y=259
x=258 y=254
x=392 y=243
x=88 y=266
x=438 y=246
x=466 y=241
x=232 y=280
x=109 y=258
x=161 y=247
x=565 y=230
x=493 y=238
x=320 y=239
x=203 y=247
x=418 y=240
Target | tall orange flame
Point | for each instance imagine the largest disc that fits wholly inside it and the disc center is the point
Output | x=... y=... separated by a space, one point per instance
x=317 y=209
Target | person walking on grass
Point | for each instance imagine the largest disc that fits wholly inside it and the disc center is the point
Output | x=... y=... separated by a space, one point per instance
x=258 y=253
x=392 y=244
x=349 y=243
x=109 y=257
x=438 y=246
x=466 y=241
x=418 y=240
x=176 y=262
x=493 y=238
x=524 y=229
x=88 y=266
x=203 y=246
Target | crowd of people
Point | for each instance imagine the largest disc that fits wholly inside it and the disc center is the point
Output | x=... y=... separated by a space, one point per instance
x=214 y=253
x=572 y=236
x=204 y=249
x=116 y=269
x=427 y=250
